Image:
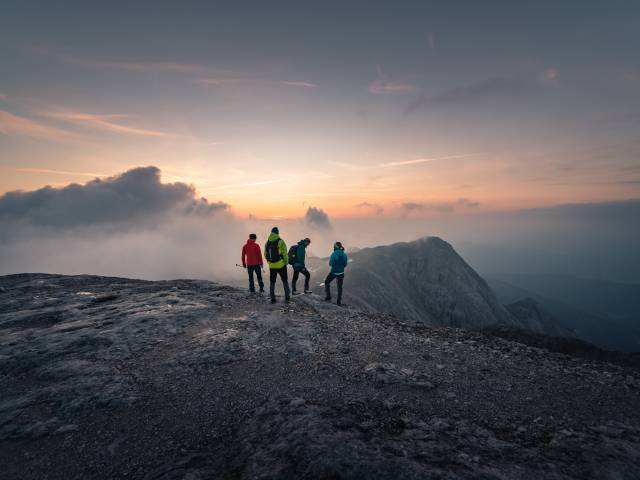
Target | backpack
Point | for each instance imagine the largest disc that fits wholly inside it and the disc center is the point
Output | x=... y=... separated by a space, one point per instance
x=271 y=251
x=293 y=254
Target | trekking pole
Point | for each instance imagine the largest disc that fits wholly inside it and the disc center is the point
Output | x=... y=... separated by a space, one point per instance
x=241 y=266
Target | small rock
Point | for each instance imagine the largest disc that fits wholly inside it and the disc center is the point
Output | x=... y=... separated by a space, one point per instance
x=297 y=402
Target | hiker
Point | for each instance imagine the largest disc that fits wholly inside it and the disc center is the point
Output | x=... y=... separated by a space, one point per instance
x=297 y=255
x=338 y=262
x=252 y=261
x=275 y=251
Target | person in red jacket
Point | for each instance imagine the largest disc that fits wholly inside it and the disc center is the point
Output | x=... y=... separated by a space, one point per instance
x=252 y=261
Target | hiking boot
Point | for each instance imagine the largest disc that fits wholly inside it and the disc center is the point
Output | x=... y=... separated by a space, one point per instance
x=287 y=300
x=295 y=293
x=327 y=299
x=273 y=300
x=308 y=291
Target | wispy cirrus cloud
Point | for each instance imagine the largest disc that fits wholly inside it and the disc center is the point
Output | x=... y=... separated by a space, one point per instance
x=59 y=172
x=384 y=85
x=65 y=56
x=492 y=87
x=12 y=124
x=209 y=76
x=404 y=163
x=235 y=81
x=431 y=39
x=107 y=122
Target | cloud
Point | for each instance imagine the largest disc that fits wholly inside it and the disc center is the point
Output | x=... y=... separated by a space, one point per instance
x=65 y=56
x=11 y=124
x=59 y=172
x=403 y=163
x=550 y=74
x=317 y=218
x=439 y=207
x=235 y=81
x=492 y=87
x=297 y=84
x=209 y=75
x=414 y=206
x=134 y=196
x=431 y=38
x=465 y=202
x=126 y=225
x=106 y=122
x=383 y=85
x=370 y=206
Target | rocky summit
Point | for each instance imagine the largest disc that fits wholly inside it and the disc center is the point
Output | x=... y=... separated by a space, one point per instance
x=118 y=378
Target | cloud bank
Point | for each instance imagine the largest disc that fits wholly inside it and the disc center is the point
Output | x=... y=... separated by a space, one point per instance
x=135 y=196
x=128 y=225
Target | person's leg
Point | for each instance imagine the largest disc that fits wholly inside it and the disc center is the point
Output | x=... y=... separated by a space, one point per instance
x=252 y=287
x=340 y=279
x=259 y=275
x=327 y=286
x=285 y=283
x=273 y=275
x=307 y=277
x=294 y=280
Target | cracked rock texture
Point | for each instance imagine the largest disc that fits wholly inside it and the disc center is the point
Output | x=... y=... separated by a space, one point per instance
x=117 y=378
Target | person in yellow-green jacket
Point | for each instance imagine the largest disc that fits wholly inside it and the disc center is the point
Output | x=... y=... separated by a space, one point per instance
x=275 y=251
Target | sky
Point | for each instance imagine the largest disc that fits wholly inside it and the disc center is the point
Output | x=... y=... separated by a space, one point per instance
x=361 y=109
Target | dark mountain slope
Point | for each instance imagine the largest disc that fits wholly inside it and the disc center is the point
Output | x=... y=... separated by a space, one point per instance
x=599 y=330
x=117 y=378
x=619 y=302
x=535 y=318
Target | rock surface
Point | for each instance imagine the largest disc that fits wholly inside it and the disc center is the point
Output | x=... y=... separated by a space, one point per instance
x=114 y=378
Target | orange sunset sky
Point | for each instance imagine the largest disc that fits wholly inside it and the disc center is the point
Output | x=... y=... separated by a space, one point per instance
x=409 y=113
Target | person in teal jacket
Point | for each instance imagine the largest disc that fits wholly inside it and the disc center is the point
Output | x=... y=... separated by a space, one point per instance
x=275 y=251
x=300 y=268
x=338 y=261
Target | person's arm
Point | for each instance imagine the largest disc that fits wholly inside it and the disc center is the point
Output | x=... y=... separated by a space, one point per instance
x=260 y=255
x=331 y=259
x=244 y=256
x=300 y=255
x=346 y=259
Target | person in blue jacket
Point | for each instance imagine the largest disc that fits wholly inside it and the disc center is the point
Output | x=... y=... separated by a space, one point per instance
x=338 y=261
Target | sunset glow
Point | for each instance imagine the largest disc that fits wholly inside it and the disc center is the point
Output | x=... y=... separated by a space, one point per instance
x=257 y=121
